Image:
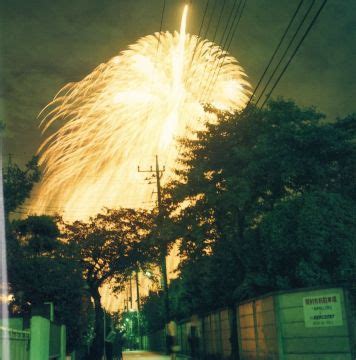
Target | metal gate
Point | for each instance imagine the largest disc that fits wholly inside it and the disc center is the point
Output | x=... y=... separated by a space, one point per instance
x=19 y=343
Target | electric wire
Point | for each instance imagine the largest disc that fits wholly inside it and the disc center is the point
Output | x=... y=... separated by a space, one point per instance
x=286 y=50
x=219 y=20
x=161 y=25
x=208 y=80
x=226 y=47
x=157 y=49
x=211 y=18
x=222 y=37
x=229 y=27
x=189 y=79
x=233 y=14
x=207 y=29
x=276 y=51
x=237 y=24
x=204 y=15
x=295 y=51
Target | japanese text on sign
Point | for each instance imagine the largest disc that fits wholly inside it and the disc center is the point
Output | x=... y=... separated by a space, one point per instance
x=320 y=311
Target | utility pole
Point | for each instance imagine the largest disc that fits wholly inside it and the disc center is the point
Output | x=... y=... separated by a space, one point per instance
x=104 y=335
x=130 y=298
x=138 y=291
x=138 y=309
x=9 y=161
x=157 y=173
x=127 y=298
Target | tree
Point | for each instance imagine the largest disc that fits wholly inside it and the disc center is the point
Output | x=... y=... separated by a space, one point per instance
x=110 y=246
x=18 y=183
x=236 y=171
x=40 y=272
x=306 y=240
x=38 y=235
x=153 y=313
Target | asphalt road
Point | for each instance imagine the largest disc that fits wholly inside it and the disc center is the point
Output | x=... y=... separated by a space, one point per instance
x=145 y=355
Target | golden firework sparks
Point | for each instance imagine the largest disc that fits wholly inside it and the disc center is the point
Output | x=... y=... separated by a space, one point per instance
x=127 y=110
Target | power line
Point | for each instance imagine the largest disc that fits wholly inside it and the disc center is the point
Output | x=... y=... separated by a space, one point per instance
x=237 y=24
x=228 y=42
x=296 y=32
x=204 y=15
x=149 y=109
x=201 y=97
x=211 y=18
x=161 y=25
x=25 y=209
x=28 y=209
x=276 y=50
x=295 y=51
x=219 y=20
x=233 y=14
x=188 y=80
x=205 y=36
x=222 y=37
x=209 y=21
x=200 y=29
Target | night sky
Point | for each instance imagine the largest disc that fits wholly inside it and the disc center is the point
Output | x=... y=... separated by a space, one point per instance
x=46 y=44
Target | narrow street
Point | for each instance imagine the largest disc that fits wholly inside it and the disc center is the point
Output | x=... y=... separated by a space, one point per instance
x=137 y=355
x=177 y=180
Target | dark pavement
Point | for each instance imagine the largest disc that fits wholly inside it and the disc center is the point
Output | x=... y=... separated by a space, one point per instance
x=137 y=355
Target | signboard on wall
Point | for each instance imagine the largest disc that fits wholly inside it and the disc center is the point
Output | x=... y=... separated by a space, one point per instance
x=322 y=310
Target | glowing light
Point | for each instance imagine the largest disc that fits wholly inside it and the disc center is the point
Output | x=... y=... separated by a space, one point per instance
x=126 y=111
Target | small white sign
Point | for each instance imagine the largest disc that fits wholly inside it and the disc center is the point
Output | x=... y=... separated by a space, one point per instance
x=322 y=310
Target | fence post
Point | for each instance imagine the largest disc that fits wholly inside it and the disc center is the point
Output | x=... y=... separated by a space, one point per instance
x=279 y=327
x=39 y=341
x=219 y=339
x=63 y=349
x=233 y=333
x=255 y=328
x=203 y=337
x=350 y=314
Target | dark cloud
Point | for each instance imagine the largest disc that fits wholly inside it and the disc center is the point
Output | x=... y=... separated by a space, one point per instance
x=45 y=44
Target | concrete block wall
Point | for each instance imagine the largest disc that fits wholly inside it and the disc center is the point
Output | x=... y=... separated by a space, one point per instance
x=225 y=333
x=213 y=332
x=246 y=331
x=300 y=342
x=279 y=326
x=266 y=330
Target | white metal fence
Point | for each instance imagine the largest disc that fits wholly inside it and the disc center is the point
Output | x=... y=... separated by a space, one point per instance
x=19 y=342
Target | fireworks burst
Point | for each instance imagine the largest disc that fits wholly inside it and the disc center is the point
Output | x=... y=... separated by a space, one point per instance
x=126 y=111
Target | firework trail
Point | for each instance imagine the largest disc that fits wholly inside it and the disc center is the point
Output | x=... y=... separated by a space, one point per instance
x=127 y=111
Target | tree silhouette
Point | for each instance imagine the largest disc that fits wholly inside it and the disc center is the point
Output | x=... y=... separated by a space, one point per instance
x=109 y=246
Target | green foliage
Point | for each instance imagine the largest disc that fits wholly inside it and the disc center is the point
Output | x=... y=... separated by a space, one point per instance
x=37 y=234
x=304 y=241
x=153 y=317
x=109 y=246
x=40 y=272
x=18 y=183
x=239 y=175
